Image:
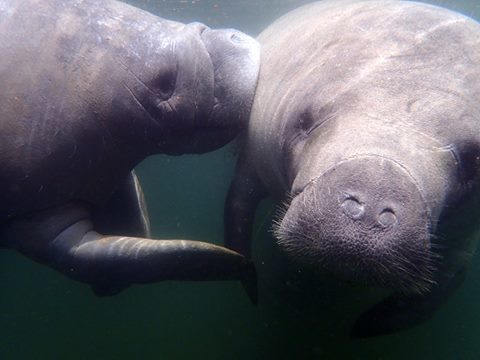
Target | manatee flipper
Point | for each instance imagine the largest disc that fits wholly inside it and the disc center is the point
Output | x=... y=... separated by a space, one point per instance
x=126 y=211
x=64 y=238
x=399 y=312
x=244 y=195
x=125 y=214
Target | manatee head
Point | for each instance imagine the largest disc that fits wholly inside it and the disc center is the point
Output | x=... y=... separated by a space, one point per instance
x=206 y=81
x=401 y=218
x=378 y=204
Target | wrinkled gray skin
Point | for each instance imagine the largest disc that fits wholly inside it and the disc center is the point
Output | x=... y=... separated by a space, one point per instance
x=89 y=89
x=366 y=124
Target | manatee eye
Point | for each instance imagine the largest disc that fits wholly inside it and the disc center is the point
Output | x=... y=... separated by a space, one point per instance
x=312 y=118
x=165 y=81
x=236 y=38
x=305 y=121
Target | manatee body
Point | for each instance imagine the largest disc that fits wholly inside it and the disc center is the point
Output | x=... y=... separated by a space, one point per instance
x=89 y=89
x=366 y=125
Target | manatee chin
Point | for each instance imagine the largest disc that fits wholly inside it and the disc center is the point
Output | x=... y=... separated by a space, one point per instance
x=365 y=220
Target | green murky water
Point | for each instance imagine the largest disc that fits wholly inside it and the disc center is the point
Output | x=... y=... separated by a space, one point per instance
x=43 y=315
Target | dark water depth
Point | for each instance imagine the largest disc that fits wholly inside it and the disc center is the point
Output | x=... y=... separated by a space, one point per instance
x=44 y=315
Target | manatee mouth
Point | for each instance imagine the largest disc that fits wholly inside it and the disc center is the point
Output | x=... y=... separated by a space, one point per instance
x=365 y=220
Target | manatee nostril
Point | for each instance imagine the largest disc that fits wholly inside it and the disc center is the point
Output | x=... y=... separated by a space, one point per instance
x=236 y=38
x=387 y=218
x=353 y=208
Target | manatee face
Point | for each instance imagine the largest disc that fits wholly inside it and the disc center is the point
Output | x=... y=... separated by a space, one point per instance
x=364 y=219
x=373 y=204
x=208 y=111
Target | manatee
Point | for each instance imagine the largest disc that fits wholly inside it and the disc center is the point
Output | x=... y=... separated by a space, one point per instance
x=365 y=128
x=89 y=89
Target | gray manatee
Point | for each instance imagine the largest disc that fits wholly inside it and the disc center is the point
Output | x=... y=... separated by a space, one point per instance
x=366 y=126
x=89 y=89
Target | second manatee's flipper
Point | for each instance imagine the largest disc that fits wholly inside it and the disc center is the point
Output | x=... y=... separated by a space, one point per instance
x=125 y=213
x=244 y=195
x=399 y=312
x=63 y=238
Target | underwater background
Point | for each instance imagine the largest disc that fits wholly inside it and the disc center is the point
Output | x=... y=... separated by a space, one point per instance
x=44 y=315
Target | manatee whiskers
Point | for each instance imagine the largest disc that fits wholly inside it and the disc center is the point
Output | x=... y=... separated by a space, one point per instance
x=406 y=269
x=279 y=214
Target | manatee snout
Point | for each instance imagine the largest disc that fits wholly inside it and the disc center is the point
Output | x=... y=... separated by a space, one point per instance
x=206 y=91
x=365 y=220
x=235 y=59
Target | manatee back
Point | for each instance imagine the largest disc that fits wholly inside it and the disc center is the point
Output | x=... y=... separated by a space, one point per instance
x=66 y=69
x=375 y=62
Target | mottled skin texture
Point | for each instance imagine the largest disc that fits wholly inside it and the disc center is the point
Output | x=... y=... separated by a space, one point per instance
x=89 y=89
x=366 y=123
